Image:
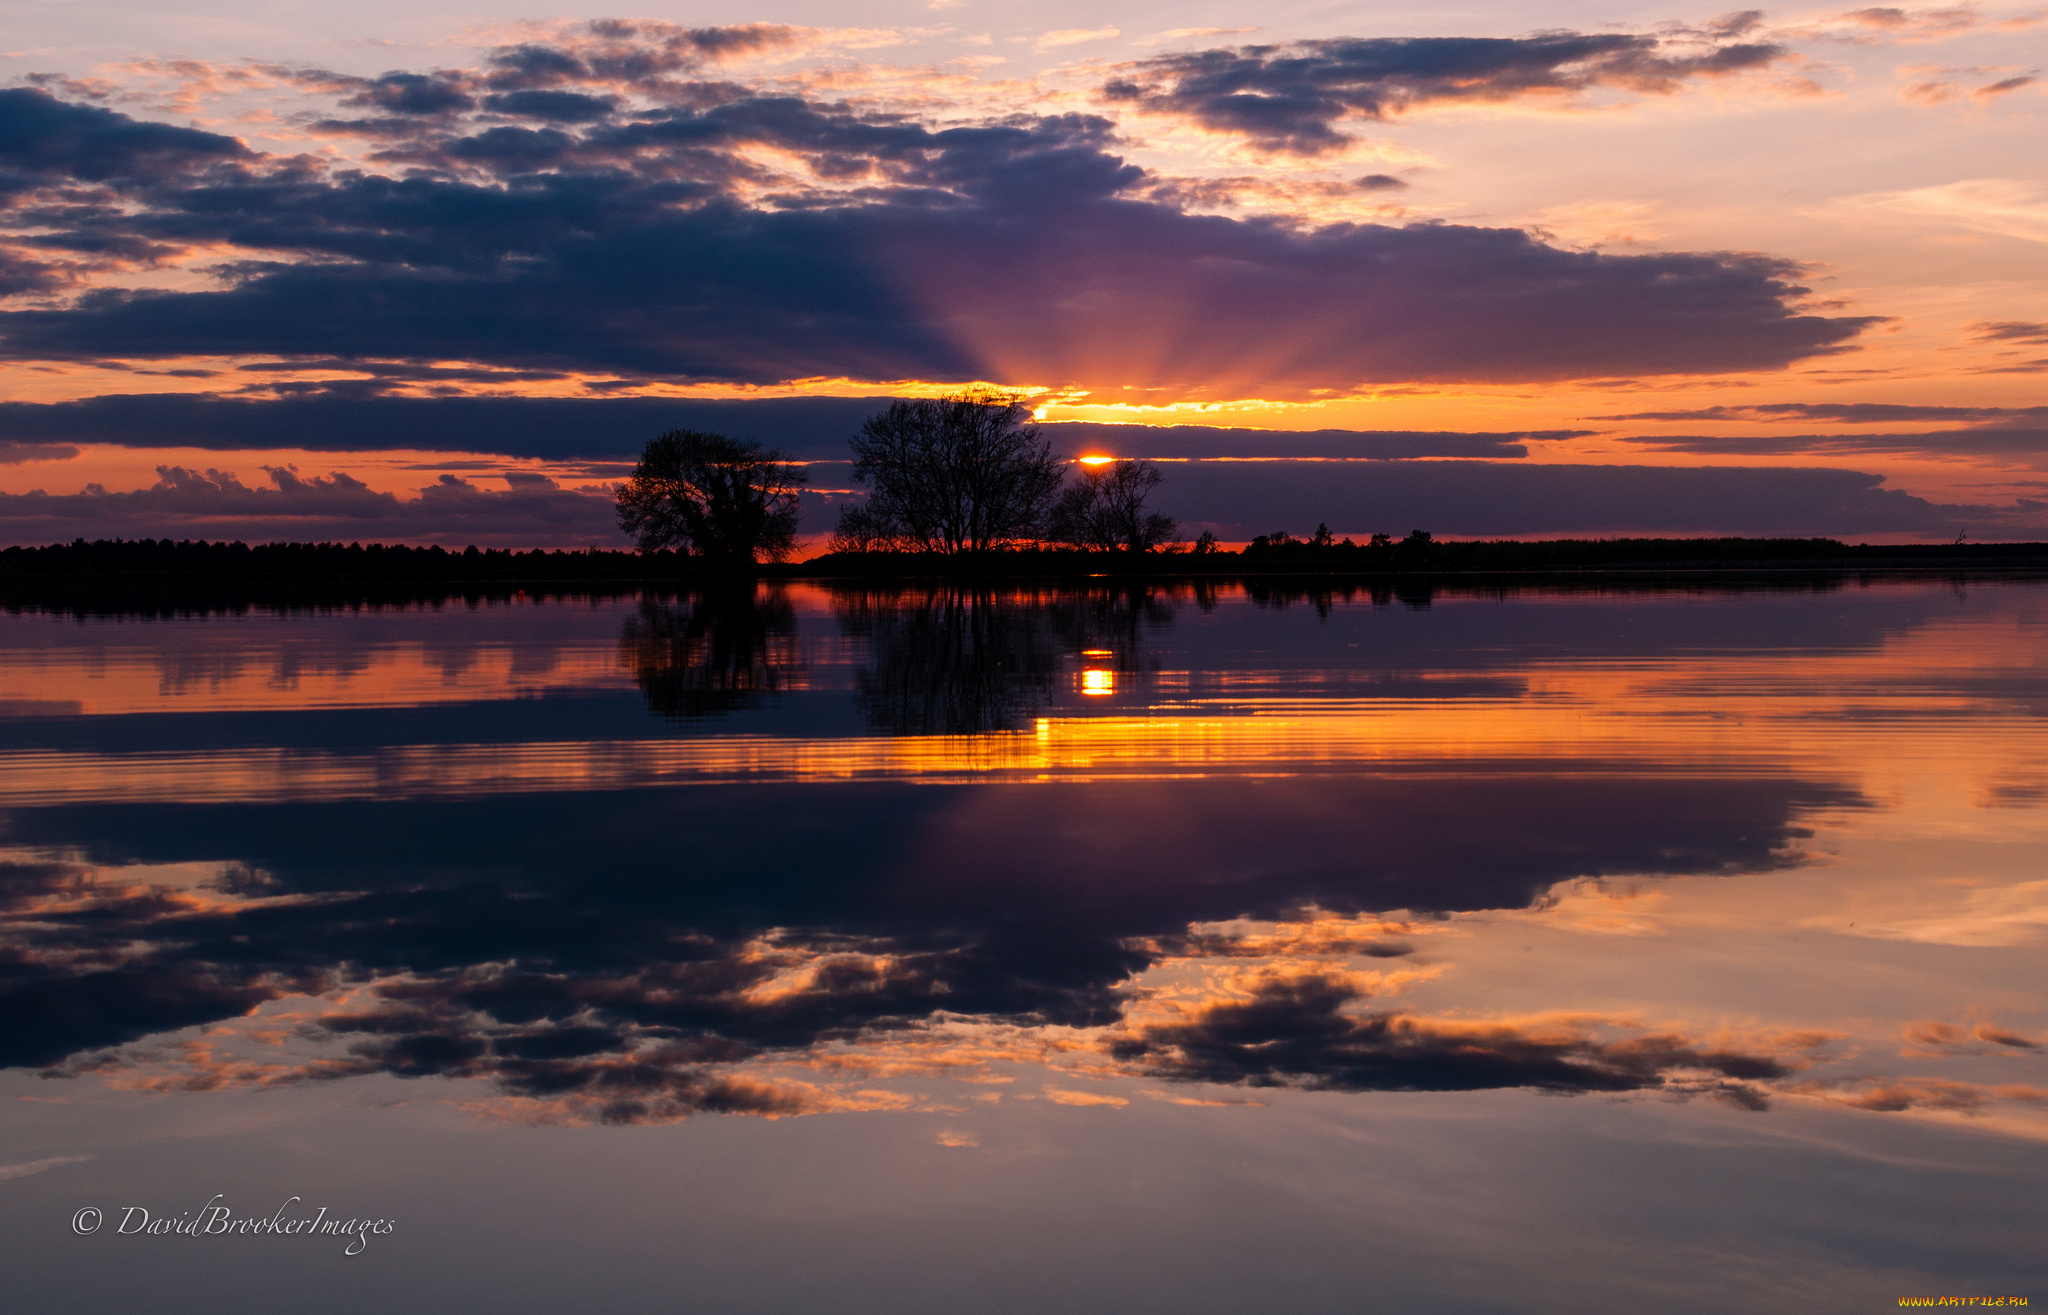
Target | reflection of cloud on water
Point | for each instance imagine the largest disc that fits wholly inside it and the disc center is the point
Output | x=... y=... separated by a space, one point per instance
x=1988 y=916
x=1299 y=1031
x=1281 y=872
x=783 y=1023
x=505 y=946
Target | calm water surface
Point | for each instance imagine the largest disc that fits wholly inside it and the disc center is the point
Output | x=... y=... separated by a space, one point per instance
x=915 y=950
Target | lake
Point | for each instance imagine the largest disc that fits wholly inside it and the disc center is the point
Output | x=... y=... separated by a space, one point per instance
x=1291 y=945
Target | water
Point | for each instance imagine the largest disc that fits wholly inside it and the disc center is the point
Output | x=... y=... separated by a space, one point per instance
x=1115 y=949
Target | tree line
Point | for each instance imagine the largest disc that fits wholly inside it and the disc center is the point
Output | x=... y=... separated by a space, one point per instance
x=957 y=475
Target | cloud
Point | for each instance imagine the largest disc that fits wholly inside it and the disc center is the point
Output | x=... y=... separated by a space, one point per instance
x=2002 y=86
x=2023 y=331
x=214 y=504
x=814 y=428
x=26 y=1168
x=1074 y=36
x=1856 y=413
x=1498 y=498
x=1189 y=34
x=329 y=421
x=2009 y=432
x=1076 y=437
x=1290 y=98
x=662 y=243
x=13 y=453
x=1979 y=1039
x=1899 y=1095
x=1890 y=23
x=556 y=106
x=42 y=137
x=2025 y=443
x=2007 y=207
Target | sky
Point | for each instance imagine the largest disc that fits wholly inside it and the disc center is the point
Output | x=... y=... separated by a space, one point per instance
x=433 y=275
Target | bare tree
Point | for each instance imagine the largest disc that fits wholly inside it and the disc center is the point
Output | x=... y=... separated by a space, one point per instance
x=1105 y=508
x=957 y=474
x=723 y=500
x=860 y=530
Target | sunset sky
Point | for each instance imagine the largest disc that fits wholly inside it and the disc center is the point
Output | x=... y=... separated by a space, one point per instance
x=399 y=272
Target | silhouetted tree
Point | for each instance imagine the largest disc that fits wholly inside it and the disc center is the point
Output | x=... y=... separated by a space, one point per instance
x=861 y=530
x=1105 y=508
x=724 y=500
x=1416 y=550
x=955 y=474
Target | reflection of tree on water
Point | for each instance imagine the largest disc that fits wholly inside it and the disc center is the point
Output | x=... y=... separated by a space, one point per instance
x=950 y=660
x=1412 y=593
x=711 y=652
x=961 y=660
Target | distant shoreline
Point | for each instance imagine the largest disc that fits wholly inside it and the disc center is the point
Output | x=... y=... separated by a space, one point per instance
x=189 y=559
x=160 y=575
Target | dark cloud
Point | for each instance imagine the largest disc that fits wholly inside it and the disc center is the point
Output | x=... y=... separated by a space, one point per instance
x=641 y=53
x=2010 y=441
x=2010 y=432
x=1074 y=438
x=1850 y=413
x=810 y=427
x=46 y=138
x=2026 y=331
x=559 y=106
x=21 y=273
x=15 y=454
x=1011 y=250
x=1291 y=97
x=2003 y=86
x=813 y=428
x=413 y=93
x=1500 y=498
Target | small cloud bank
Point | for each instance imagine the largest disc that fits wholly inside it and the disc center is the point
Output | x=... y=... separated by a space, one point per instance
x=1290 y=98
x=215 y=504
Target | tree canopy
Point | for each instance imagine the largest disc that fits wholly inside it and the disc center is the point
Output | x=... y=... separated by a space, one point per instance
x=723 y=500
x=1105 y=508
x=959 y=474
